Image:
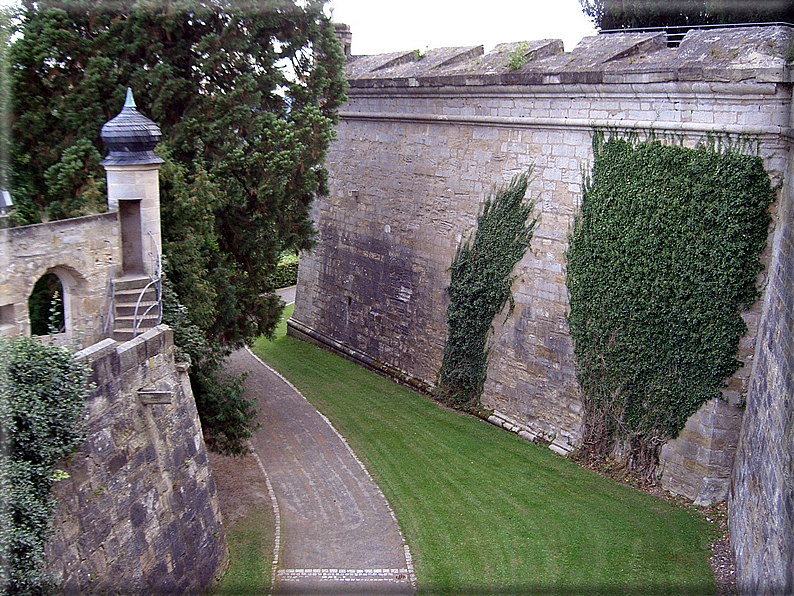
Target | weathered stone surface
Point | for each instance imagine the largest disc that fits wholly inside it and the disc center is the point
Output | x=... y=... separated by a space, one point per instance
x=761 y=502
x=716 y=55
x=420 y=145
x=84 y=253
x=422 y=142
x=138 y=513
x=698 y=463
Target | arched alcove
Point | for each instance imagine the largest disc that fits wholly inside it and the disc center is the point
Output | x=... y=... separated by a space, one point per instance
x=46 y=306
x=42 y=301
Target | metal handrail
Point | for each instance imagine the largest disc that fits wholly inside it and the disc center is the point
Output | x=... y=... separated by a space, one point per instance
x=156 y=282
x=110 y=295
x=676 y=33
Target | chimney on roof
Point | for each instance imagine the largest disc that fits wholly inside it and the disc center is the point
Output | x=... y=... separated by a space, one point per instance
x=344 y=36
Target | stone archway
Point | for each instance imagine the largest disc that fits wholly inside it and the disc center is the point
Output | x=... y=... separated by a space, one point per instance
x=68 y=283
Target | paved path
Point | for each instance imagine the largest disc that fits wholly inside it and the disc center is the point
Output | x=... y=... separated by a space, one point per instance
x=337 y=534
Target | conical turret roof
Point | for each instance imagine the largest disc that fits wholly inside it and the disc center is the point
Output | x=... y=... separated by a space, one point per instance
x=130 y=137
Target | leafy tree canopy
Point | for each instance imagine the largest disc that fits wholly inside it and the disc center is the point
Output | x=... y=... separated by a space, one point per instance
x=622 y=14
x=246 y=95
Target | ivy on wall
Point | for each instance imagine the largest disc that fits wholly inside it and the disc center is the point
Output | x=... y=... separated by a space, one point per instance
x=42 y=393
x=479 y=289
x=662 y=260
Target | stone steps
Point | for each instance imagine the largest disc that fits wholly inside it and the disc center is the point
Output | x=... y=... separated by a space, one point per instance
x=127 y=292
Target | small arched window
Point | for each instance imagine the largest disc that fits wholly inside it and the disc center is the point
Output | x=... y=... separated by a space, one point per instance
x=45 y=306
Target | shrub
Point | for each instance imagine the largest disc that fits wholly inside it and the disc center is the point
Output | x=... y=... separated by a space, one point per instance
x=228 y=417
x=286 y=271
x=42 y=394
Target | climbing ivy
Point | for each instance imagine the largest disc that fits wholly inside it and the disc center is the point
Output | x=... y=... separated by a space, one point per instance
x=42 y=394
x=662 y=260
x=480 y=288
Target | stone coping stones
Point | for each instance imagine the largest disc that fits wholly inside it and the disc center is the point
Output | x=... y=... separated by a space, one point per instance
x=724 y=55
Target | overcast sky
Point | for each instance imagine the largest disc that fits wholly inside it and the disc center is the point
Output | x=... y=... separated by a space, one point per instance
x=380 y=26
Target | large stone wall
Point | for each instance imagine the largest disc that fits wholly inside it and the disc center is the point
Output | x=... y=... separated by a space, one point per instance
x=423 y=140
x=761 y=503
x=139 y=512
x=84 y=253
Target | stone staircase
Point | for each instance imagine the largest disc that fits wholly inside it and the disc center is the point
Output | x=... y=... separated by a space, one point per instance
x=126 y=291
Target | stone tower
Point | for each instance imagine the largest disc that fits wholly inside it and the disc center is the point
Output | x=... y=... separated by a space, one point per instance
x=133 y=187
x=345 y=37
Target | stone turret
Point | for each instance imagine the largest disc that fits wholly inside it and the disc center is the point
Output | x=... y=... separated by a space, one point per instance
x=133 y=186
x=345 y=37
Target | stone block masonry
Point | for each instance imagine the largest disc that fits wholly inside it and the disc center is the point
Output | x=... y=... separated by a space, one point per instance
x=85 y=254
x=761 y=500
x=139 y=512
x=423 y=141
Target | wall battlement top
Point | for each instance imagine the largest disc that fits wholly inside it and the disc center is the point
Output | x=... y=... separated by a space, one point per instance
x=731 y=55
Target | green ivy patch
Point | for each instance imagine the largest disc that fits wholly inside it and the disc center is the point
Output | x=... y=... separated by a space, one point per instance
x=662 y=260
x=42 y=393
x=480 y=288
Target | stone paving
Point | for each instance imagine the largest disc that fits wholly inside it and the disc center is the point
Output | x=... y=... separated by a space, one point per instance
x=336 y=533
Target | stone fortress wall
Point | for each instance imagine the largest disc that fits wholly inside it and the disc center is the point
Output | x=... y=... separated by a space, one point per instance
x=423 y=140
x=761 y=501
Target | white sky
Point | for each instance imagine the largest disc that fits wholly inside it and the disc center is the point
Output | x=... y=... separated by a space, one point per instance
x=381 y=26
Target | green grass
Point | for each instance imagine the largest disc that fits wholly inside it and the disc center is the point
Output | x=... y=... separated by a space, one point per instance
x=485 y=512
x=250 y=543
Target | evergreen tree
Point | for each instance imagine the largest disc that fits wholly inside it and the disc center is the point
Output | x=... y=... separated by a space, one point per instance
x=622 y=14
x=6 y=16
x=245 y=93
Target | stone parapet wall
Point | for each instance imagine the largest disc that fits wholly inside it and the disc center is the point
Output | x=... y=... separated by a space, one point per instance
x=423 y=141
x=139 y=512
x=84 y=253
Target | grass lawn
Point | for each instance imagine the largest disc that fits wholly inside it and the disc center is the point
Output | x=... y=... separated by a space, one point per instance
x=249 y=523
x=485 y=512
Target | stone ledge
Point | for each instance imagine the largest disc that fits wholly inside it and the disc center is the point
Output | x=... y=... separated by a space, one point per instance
x=729 y=54
x=303 y=332
x=504 y=421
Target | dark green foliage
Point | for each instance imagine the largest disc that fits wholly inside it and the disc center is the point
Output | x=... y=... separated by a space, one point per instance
x=246 y=95
x=227 y=416
x=42 y=392
x=45 y=305
x=287 y=271
x=5 y=110
x=662 y=260
x=480 y=288
x=620 y=14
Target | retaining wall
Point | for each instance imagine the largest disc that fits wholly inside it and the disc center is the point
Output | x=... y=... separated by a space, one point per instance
x=139 y=512
x=761 y=503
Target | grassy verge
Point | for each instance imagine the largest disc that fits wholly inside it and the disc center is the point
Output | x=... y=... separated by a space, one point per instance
x=248 y=518
x=249 y=523
x=485 y=512
x=250 y=560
